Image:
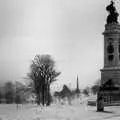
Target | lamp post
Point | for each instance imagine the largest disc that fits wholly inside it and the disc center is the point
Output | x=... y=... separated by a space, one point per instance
x=16 y=95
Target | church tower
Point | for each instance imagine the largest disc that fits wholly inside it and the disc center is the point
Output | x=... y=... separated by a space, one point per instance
x=111 y=69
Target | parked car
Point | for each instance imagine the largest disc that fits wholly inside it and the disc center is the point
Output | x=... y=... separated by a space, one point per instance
x=92 y=101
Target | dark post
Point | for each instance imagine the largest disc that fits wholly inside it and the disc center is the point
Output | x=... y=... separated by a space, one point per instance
x=100 y=104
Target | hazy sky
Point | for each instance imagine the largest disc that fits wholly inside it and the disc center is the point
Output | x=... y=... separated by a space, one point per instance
x=69 y=30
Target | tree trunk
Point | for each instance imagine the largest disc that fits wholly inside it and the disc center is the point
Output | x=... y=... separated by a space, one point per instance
x=43 y=95
x=38 y=98
x=48 y=95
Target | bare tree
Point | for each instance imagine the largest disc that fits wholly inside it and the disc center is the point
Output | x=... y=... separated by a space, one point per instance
x=21 y=92
x=86 y=91
x=42 y=74
x=95 y=87
x=9 y=92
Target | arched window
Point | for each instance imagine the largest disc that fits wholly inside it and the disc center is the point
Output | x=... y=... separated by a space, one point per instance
x=110 y=57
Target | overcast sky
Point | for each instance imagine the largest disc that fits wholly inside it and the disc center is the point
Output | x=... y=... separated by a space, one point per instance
x=69 y=30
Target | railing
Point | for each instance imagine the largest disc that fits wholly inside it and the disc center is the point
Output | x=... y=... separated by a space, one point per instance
x=111 y=98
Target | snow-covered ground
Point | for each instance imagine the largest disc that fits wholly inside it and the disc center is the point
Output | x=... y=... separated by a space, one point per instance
x=76 y=111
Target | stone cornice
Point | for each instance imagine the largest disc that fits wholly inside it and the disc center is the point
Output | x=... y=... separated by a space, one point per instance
x=113 y=28
x=111 y=69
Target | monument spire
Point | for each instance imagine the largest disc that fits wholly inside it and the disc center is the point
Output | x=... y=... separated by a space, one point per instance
x=77 y=83
x=77 y=88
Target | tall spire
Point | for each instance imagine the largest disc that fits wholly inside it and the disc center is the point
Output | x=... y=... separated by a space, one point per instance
x=77 y=91
x=77 y=87
x=77 y=83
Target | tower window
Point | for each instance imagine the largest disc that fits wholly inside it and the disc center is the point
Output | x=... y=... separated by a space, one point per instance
x=119 y=48
x=110 y=48
x=110 y=40
x=110 y=57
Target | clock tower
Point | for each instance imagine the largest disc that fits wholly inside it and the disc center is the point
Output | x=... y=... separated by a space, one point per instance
x=111 y=69
x=109 y=91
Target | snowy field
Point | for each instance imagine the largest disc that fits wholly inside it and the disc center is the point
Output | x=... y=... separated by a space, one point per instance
x=57 y=112
x=10 y=111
